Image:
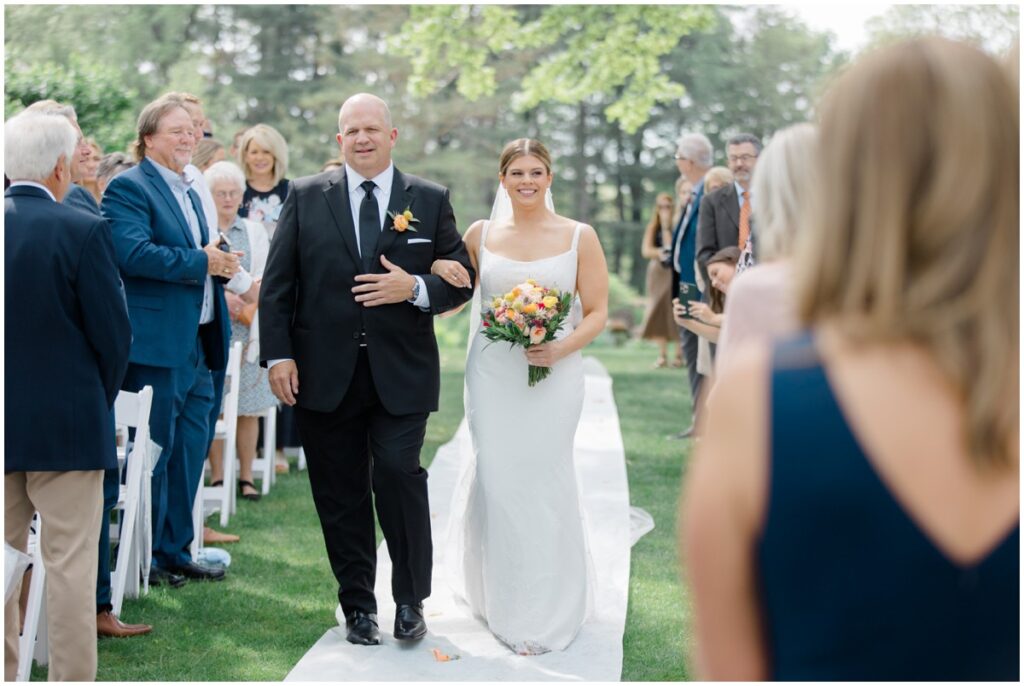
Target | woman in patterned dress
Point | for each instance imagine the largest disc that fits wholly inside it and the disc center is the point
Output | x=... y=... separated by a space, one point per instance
x=227 y=185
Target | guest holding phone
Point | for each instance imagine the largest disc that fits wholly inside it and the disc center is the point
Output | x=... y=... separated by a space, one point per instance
x=705 y=319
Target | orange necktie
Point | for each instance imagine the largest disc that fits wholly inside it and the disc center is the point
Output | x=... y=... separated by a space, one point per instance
x=744 y=220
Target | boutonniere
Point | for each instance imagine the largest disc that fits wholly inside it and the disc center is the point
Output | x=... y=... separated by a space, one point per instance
x=403 y=222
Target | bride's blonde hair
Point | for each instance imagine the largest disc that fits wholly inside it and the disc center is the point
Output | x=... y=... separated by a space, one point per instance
x=521 y=147
x=913 y=226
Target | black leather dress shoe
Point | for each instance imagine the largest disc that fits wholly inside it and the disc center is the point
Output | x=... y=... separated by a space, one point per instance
x=194 y=570
x=409 y=624
x=162 y=577
x=362 y=628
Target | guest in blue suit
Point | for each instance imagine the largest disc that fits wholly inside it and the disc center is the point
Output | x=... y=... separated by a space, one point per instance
x=179 y=318
x=693 y=159
x=67 y=338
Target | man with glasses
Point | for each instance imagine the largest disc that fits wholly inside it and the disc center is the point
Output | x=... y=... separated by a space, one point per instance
x=694 y=156
x=77 y=196
x=725 y=214
x=173 y=272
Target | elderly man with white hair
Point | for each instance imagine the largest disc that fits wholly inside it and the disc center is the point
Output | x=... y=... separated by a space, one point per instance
x=67 y=338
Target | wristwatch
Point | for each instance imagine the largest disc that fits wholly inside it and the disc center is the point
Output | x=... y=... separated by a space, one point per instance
x=415 y=290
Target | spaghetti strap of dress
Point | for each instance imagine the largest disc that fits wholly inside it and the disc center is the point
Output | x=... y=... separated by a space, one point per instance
x=576 y=235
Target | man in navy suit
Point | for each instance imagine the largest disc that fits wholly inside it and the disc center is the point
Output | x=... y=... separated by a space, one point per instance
x=107 y=623
x=694 y=155
x=67 y=340
x=179 y=318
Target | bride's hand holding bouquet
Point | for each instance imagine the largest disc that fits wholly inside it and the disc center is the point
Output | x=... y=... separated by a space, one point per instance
x=529 y=316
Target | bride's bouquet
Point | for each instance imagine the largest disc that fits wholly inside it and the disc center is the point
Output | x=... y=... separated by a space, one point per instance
x=527 y=315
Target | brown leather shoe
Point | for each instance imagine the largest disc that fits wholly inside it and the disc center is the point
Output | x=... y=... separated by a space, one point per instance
x=211 y=537
x=107 y=624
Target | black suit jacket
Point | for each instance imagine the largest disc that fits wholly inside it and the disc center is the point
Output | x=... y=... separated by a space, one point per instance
x=308 y=311
x=67 y=336
x=718 y=225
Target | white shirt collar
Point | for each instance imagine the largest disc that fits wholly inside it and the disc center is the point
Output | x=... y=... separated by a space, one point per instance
x=383 y=180
x=35 y=185
x=739 y=191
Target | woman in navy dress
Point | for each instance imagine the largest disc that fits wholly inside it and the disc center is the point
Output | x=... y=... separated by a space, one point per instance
x=853 y=511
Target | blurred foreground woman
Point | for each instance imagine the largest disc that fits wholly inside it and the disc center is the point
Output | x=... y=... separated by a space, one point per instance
x=853 y=512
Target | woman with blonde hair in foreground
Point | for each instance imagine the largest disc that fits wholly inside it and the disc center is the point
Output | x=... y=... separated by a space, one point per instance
x=853 y=511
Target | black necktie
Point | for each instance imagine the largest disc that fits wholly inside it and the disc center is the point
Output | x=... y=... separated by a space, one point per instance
x=369 y=225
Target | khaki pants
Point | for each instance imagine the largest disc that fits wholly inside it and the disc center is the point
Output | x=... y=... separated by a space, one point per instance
x=70 y=505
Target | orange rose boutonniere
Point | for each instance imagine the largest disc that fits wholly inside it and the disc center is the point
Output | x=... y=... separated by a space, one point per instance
x=404 y=221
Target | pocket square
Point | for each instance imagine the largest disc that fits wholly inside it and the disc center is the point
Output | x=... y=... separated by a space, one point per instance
x=419 y=240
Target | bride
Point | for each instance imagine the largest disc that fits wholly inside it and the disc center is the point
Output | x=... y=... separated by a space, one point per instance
x=518 y=536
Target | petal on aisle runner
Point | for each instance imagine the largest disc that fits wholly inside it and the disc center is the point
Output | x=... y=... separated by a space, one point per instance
x=472 y=653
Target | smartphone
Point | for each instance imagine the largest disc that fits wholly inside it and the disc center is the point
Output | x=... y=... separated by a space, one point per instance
x=225 y=245
x=688 y=293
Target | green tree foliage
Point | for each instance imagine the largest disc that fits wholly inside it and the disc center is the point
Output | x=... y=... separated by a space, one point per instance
x=608 y=88
x=105 y=109
x=584 y=51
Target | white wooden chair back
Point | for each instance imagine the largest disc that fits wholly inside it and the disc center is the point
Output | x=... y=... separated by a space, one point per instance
x=135 y=537
x=263 y=467
x=33 y=642
x=221 y=497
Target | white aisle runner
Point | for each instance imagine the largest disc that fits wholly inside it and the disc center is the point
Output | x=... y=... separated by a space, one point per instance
x=595 y=655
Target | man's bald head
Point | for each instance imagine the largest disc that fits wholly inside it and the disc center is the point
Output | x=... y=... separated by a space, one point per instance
x=360 y=101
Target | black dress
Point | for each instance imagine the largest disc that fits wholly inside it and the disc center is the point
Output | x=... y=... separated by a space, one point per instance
x=264 y=206
x=852 y=589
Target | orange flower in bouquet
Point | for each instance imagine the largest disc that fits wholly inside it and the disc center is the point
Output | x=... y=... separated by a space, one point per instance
x=529 y=314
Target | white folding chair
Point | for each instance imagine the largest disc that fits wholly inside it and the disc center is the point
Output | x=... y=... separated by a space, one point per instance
x=209 y=499
x=263 y=467
x=33 y=642
x=134 y=535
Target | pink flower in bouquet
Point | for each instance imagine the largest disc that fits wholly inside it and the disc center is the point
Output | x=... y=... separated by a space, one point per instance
x=537 y=334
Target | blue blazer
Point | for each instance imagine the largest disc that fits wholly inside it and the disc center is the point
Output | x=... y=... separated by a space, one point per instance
x=164 y=271
x=67 y=336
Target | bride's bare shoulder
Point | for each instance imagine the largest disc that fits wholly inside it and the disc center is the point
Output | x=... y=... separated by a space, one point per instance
x=472 y=235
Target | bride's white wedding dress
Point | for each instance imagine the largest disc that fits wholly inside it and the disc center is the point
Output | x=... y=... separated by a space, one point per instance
x=521 y=560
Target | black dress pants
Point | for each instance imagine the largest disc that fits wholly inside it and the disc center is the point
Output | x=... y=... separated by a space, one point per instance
x=355 y=449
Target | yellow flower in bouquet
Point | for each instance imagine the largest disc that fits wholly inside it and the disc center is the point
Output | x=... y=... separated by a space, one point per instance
x=529 y=314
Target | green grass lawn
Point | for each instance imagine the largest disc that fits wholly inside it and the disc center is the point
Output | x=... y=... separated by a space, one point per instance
x=278 y=598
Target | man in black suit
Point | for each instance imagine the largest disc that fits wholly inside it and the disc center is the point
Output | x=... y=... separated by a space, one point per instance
x=346 y=328
x=67 y=340
x=724 y=217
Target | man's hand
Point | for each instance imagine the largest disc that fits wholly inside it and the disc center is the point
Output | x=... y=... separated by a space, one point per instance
x=384 y=289
x=284 y=381
x=220 y=263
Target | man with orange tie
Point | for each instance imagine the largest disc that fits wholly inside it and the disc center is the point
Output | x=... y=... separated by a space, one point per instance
x=724 y=217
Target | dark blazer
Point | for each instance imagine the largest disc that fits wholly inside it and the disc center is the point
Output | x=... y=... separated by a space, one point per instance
x=67 y=336
x=80 y=198
x=718 y=225
x=682 y=230
x=308 y=311
x=164 y=271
